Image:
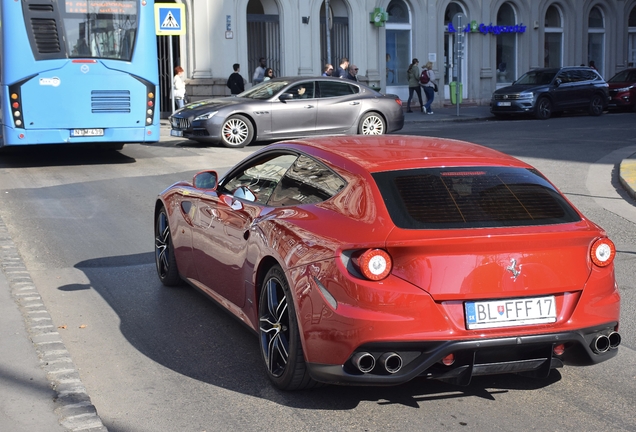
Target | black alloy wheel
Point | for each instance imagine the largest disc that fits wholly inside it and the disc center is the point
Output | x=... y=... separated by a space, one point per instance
x=164 y=251
x=543 y=110
x=281 y=349
x=596 y=105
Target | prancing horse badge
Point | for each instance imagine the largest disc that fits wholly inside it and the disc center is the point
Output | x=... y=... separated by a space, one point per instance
x=512 y=268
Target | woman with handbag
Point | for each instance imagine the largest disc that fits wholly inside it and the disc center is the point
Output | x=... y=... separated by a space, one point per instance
x=429 y=87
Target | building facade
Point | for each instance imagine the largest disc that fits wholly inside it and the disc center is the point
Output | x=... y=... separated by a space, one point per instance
x=483 y=44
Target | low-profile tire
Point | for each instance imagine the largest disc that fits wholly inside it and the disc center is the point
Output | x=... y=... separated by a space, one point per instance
x=596 y=105
x=164 y=251
x=372 y=124
x=237 y=131
x=543 y=110
x=281 y=349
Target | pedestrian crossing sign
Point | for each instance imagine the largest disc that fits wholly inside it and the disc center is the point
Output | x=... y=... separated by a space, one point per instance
x=169 y=19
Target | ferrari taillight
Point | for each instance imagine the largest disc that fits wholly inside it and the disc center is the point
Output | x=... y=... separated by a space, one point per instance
x=374 y=264
x=603 y=252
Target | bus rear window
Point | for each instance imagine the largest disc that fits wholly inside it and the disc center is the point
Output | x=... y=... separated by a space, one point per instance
x=472 y=197
x=100 y=29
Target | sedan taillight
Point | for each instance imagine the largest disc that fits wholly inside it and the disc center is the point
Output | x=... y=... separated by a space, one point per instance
x=603 y=252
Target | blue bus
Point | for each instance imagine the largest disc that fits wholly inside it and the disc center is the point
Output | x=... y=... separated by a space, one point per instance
x=78 y=72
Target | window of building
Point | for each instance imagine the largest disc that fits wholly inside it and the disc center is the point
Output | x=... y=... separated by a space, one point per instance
x=398 y=43
x=631 y=45
x=596 y=39
x=338 y=33
x=553 y=44
x=506 y=46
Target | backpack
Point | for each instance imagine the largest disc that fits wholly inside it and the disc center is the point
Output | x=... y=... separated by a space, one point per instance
x=424 y=78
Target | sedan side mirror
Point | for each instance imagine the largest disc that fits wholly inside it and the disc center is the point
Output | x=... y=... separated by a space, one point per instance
x=206 y=180
x=285 y=96
x=557 y=82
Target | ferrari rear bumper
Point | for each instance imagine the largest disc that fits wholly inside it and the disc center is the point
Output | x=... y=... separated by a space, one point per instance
x=394 y=363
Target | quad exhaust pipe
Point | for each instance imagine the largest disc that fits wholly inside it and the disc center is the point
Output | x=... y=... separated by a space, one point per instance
x=365 y=362
x=603 y=343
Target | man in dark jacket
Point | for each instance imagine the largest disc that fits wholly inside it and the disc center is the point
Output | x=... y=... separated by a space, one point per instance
x=235 y=82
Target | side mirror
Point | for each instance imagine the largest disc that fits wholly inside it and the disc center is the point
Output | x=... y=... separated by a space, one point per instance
x=557 y=82
x=206 y=180
x=244 y=193
x=285 y=96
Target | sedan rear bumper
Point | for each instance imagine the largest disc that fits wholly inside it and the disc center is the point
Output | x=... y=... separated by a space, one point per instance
x=533 y=355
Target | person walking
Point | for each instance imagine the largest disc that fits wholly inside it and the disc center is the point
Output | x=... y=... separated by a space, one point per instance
x=328 y=70
x=352 y=73
x=259 y=72
x=269 y=74
x=413 y=75
x=178 y=87
x=343 y=68
x=429 y=87
x=236 y=83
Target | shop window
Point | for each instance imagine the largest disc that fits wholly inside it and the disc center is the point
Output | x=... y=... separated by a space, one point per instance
x=631 y=55
x=398 y=43
x=596 y=39
x=506 y=46
x=553 y=43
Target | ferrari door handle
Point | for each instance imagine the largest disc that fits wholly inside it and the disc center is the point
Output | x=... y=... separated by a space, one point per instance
x=308 y=106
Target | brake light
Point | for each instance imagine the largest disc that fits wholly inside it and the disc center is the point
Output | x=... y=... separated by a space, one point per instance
x=603 y=252
x=398 y=101
x=375 y=264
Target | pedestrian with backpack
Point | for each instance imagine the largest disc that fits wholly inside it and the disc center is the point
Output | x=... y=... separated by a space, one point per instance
x=427 y=81
x=413 y=74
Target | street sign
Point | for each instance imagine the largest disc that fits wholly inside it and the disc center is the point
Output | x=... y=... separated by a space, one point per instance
x=170 y=19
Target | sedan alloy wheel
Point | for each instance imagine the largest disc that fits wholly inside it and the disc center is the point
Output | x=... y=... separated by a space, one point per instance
x=372 y=124
x=237 y=131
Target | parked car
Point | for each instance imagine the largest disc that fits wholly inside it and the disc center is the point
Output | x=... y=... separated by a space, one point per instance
x=374 y=260
x=287 y=108
x=622 y=89
x=543 y=92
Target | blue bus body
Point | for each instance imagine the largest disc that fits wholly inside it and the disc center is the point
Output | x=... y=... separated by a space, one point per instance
x=78 y=72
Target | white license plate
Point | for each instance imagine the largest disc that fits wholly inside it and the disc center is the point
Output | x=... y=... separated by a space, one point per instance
x=504 y=103
x=87 y=132
x=510 y=312
x=177 y=133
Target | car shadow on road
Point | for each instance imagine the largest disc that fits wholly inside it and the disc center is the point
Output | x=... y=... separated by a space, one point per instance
x=60 y=155
x=184 y=331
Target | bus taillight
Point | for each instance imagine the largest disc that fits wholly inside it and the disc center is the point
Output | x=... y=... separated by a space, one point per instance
x=16 y=104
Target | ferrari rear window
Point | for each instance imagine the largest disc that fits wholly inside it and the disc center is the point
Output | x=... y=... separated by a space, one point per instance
x=470 y=197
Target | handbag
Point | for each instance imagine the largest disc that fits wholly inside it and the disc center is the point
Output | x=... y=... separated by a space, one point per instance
x=435 y=87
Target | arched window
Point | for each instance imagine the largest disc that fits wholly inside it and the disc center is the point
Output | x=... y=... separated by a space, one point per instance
x=506 y=46
x=398 y=43
x=553 y=44
x=631 y=55
x=263 y=36
x=596 y=39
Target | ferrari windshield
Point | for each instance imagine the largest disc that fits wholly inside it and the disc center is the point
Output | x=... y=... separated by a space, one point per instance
x=264 y=90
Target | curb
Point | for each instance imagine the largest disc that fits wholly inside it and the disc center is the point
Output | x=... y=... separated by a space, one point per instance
x=627 y=175
x=74 y=407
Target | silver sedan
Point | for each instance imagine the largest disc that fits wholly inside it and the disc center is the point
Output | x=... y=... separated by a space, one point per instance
x=289 y=108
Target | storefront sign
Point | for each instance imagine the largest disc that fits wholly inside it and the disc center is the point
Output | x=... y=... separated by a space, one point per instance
x=482 y=28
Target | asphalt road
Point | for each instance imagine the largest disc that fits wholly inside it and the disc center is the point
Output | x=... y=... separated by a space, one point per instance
x=159 y=359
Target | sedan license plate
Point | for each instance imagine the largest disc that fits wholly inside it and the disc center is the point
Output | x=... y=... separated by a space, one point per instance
x=510 y=312
x=176 y=133
x=87 y=132
x=504 y=103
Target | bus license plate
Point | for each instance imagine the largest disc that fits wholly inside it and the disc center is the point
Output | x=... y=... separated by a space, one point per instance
x=87 y=132
x=176 y=133
x=504 y=103
x=510 y=312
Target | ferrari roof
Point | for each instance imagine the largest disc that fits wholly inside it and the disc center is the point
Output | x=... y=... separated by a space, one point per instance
x=397 y=152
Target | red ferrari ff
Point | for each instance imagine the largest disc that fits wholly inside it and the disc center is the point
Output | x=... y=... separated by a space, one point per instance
x=374 y=260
